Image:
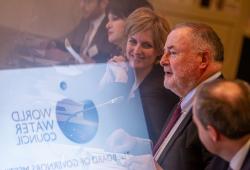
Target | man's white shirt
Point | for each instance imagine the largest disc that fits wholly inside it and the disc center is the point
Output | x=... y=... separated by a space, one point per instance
x=238 y=159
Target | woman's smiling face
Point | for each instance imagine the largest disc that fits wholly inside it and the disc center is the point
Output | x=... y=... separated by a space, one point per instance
x=140 y=50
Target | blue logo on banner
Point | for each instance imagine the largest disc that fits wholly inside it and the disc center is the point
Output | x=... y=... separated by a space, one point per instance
x=63 y=85
x=78 y=121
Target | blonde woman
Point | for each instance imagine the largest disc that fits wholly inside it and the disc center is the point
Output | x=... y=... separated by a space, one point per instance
x=138 y=70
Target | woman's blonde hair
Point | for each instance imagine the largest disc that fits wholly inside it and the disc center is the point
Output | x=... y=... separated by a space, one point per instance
x=144 y=19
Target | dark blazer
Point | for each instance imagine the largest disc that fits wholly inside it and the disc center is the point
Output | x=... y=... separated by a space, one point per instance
x=157 y=101
x=246 y=164
x=100 y=41
x=185 y=151
x=220 y=164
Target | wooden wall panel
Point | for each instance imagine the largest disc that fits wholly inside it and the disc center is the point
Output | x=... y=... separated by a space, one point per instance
x=44 y=17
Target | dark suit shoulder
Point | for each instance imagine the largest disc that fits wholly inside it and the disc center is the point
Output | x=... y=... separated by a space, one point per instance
x=217 y=163
x=221 y=164
x=246 y=164
x=185 y=151
x=76 y=36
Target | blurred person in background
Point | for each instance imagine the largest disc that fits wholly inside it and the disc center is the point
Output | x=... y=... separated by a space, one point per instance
x=117 y=12
x=89 y=38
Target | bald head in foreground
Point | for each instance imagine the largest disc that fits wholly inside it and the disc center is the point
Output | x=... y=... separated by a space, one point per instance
x=222 y=116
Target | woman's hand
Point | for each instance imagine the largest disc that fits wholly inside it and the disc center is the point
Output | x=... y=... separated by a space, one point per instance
x=118 y=67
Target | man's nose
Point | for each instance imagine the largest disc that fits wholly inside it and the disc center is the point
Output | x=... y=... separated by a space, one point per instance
x=164 y=59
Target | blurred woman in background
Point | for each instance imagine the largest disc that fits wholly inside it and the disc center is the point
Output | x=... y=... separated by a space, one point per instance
x=117 y=12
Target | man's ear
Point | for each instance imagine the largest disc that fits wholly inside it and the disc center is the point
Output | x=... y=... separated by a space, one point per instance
x=213 y=133
x=205 y=58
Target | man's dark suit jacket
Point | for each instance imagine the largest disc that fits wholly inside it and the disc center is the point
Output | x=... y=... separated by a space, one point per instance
x=220 y=164
x=105 y=50
x=185 y=151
